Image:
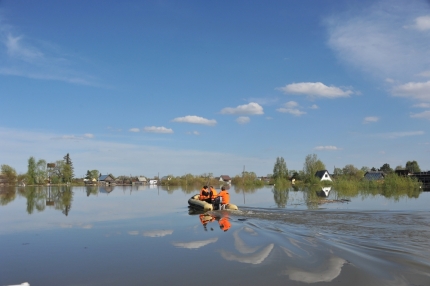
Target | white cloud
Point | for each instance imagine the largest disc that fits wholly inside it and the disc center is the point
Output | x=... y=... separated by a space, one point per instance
x=424 y=74
x=424 y=115
x=193 y=133
x=195 y=120
x=294 y=112
x=414 y=90
x=370 y=119
x=291 y=104
x=315 y=89
x=290 y=108
x=243 y=120
x=389 y=80
x=251 y=108
x=314 y=106
x=31 y=58
x=374 y=38
x=74 y=137
x=394 y=135
x=422 y=105
x=154 y=129
x=326 y=148
x=134 y=130
x=17 y=50
x=422 y=23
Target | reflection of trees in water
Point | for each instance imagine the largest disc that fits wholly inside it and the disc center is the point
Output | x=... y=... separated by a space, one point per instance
x=92 y=190
x=62 y=197
x=310 y=196
x=188 y=189
x=280 y=195
x=38 y=198
x=7 y=195
x=35 y=198
x=246 y=189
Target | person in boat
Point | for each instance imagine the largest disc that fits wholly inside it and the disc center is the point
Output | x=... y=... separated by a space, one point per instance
x=213 y=194
x=223 y=199
x=205 y=195
x=224 y=223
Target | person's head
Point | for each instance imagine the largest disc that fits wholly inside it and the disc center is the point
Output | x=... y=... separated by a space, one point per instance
x=205 y=187
x=211 y=187
x=222 y=189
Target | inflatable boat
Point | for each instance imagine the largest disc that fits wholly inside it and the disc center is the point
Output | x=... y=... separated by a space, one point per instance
x=194 y=202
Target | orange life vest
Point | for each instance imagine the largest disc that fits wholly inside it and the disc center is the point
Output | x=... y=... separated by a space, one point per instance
x=204 y=194
x=214 y=194
x=225 y=197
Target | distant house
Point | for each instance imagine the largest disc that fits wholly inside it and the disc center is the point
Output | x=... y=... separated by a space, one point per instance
x=323 y=175
x=153 y=182
x=106 y=180
x=374 y=175
x=225 y=178
x=402 y=172
x=165 y=178
x=141 y=180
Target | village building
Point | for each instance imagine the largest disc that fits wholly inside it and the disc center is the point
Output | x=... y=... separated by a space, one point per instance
x=374 y=175
x=106 y=180
x=225 y=179
x=323 y=175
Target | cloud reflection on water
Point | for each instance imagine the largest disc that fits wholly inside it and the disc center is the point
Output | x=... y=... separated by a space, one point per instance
x=195 y=244
x=329 y=271
x=255 y=258
x=158 y=233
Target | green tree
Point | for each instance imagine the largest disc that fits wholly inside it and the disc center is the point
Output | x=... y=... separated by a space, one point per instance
x=31 y=171
x=67 y=173
x=311 y=166
x=337 y=171
x=68 y=161
x=386 y=168
x=280 y=170
x=9 y=173
x=88 y=176
x=413 y=167
x=95 y=174
x=365 y=169
x=41 y=173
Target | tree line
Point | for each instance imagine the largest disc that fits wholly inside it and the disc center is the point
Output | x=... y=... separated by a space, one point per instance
x=39 y=172
x=312 y=164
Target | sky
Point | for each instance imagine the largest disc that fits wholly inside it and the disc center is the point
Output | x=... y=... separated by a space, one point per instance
x=174 y=87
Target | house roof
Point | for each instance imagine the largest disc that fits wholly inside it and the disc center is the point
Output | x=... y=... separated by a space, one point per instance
x=141 y=179
x=374 y=175
x=321 y=173
x=104 y=177
x=225 y=177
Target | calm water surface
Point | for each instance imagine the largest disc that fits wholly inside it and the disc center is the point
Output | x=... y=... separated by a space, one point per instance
x=147 y=236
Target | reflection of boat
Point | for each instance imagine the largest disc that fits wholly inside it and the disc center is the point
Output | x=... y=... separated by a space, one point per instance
x=194 y=202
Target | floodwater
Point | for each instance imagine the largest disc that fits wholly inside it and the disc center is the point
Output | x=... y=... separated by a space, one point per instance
x=147 y=236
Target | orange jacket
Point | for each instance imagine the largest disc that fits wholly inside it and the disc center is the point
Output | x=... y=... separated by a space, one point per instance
x=224 y=224
x=214 y=193
x=204 y=194
x=225 y=197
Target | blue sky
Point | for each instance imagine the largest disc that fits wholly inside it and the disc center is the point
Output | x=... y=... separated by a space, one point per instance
x=148 y=87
